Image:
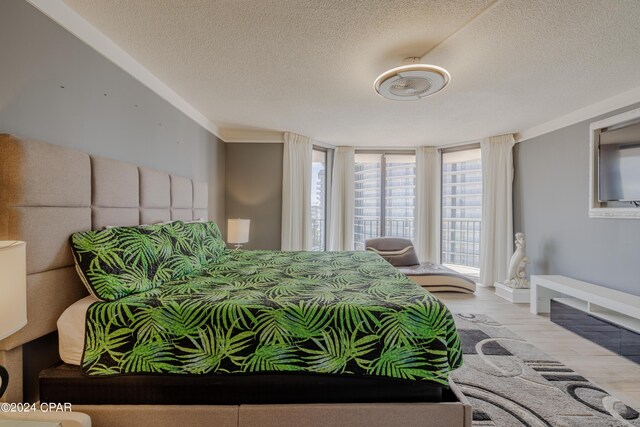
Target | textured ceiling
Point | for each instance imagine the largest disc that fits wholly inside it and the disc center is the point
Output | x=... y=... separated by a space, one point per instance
x=308 y=66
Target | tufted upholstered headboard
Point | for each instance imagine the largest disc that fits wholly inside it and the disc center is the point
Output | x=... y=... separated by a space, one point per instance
x=48 y=192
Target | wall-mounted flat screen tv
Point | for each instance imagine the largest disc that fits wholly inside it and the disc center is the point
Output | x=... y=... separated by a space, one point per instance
x=619 y=165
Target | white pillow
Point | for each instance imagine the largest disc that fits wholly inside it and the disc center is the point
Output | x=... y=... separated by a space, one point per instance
x=71 y=330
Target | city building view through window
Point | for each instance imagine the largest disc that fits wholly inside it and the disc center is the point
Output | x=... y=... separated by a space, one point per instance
x=384 y=196
x=461 y=210
x=319 y=199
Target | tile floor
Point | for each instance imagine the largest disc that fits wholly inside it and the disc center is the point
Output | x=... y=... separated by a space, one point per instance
x=614 y=373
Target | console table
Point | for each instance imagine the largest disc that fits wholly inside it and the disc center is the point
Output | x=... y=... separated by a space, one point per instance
x=613 y=306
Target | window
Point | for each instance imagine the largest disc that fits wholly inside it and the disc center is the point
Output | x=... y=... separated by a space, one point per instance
x=384 y=196
x=461 y=210
x=319 y=182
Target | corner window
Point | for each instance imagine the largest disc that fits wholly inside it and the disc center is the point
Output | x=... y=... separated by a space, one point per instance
x=384 y=196
x=461 y=210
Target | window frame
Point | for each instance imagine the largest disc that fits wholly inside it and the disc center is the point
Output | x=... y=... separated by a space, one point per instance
x=328 y=153
x=443 y=151
x=383 y=185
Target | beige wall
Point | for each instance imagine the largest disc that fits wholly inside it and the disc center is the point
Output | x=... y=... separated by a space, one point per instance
x=254 y=190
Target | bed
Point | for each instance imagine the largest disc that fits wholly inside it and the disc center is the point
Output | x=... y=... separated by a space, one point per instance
x=75 y=191
x=346 y=322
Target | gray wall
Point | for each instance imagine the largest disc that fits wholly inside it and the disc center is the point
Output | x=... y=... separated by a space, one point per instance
x=56 y=89
x=551 y=201
x=254 y=190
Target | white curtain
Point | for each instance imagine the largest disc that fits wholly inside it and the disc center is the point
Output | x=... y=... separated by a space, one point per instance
x=342 y=200
x=496 y=238
x=296 y=193
x=427 y=228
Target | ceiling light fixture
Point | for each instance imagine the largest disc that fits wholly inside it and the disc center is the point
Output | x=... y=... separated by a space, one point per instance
x=411 y=81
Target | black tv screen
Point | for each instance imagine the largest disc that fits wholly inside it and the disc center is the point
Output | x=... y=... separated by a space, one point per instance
x=619 y=172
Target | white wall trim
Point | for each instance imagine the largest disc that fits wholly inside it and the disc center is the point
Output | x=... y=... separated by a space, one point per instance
x=605 y=106
x=251 y=136
x=70 y=20
x=323 y=145
x=381 y=148
x=458 y=144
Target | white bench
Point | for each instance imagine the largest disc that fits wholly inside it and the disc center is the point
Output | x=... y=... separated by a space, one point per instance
x=44 y=419
x=614 y=306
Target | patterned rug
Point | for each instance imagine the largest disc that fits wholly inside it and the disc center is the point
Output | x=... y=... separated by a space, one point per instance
x=510 y=382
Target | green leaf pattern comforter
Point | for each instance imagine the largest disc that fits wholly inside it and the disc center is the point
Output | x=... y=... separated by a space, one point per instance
x=348 y=313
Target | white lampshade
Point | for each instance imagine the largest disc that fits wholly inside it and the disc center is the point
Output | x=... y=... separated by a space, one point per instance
x=238 y=230
x=13 y=287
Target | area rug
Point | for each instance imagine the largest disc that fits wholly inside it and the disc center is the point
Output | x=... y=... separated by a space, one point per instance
x=510 y=382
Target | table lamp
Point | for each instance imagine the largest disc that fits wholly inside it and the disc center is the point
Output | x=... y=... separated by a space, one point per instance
x=238 y=231
x=13 y=295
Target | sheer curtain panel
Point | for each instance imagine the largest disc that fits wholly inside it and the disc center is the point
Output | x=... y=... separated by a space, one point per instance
x=342 y=200
x=296 y=195
x=427 y=213
x=496 y=235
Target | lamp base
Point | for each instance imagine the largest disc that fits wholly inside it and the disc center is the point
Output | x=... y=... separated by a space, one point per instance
x=4 y=380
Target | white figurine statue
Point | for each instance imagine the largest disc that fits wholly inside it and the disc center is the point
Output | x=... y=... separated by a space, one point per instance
x=517 y=277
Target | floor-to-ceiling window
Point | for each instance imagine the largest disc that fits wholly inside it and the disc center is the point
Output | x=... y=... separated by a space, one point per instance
x=384 y=195
x=461 y=209
x=319 y=180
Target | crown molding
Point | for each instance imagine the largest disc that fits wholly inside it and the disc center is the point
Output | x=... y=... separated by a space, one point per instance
x=70 y=20
x=458 y=144
x=605 y=106
x=237 y=136
x=252 y=136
